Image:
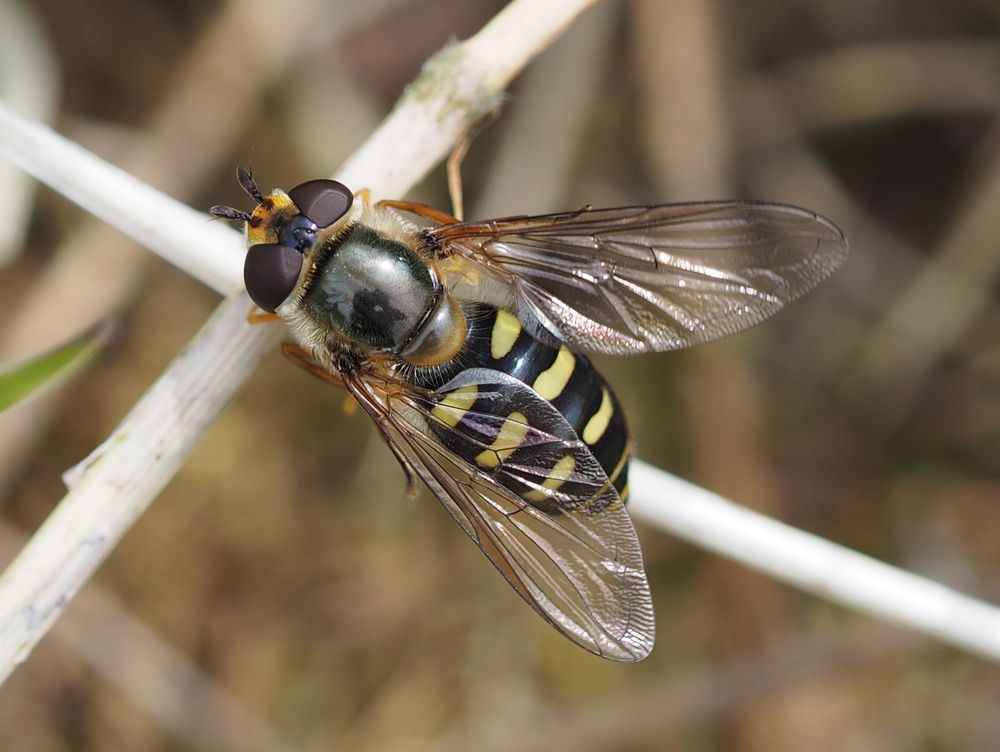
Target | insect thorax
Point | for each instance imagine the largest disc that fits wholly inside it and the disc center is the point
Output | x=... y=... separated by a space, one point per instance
x=370 y=288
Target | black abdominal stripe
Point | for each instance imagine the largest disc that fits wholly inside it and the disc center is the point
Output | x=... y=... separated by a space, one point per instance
x=567 y=380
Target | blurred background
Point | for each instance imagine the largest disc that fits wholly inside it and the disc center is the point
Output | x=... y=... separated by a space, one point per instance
x=282 y=595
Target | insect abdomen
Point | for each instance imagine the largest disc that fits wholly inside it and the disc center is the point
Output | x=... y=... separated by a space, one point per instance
x=566 y=379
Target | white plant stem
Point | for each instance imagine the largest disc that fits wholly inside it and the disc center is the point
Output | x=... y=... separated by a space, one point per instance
x=29 y=82
x=126 y=473
x=811 y=563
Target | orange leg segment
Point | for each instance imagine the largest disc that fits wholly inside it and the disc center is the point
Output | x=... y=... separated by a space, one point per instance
x=454 y=164
x=257 y=316
x=421 y=210
x=301 y=357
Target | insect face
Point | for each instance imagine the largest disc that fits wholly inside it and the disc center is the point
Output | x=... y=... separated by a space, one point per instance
x=281 y=230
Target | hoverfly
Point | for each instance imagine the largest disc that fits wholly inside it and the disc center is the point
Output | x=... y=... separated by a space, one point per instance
x=467 y=344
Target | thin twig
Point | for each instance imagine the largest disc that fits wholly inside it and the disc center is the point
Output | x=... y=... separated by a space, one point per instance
x=531 y=174
x=95 y=271
x=29 y=82
x=164 y=683
x=813 y=564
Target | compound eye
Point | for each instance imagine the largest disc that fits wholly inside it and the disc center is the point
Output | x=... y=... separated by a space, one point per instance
x=270 y=272
x=322 y=201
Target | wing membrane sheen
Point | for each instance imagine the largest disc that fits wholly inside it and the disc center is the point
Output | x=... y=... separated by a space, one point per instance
x=575 y=559
x=639 y=279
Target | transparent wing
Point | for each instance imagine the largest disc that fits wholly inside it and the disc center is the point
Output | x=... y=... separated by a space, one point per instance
x=655 y=278
x=572 y=552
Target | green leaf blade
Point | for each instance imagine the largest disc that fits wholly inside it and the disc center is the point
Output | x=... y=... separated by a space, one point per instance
x=51 y=368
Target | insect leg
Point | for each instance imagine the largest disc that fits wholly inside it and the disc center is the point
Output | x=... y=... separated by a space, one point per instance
x=421 y=210
x=411 y=480
x=301 y=357
x=380 y=417
x=365 y=195
x=453 y=166
x=257 y=316
x=454 y=169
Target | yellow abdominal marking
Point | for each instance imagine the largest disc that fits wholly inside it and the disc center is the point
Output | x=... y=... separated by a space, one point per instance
x=553 y=380
x=622 y=461
x=612 y=477
x=559 y=474
x=598 y=423
x=506 y=329
x=508 y=439
x=453 y=408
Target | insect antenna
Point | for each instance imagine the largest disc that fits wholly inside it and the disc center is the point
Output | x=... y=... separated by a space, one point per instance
x=248 y=184
x=228 y=212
